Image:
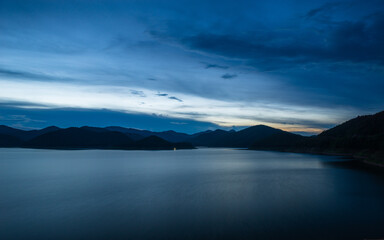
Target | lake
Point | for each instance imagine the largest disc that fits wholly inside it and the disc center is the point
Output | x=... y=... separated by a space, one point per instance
x=186 y=194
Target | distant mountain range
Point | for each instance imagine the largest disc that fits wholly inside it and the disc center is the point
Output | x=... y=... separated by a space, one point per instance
x=87 y=138
x=129 y=138
x=359 y=137
x=137 y=134
x=241 y=139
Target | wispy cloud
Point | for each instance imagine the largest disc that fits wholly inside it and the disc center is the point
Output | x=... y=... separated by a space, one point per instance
x=175 y=98
x=179 y=123
x=19 y=121
x=210 y=65
x=323 y=10
x=229 y=76
x=170 y=97
x=139 y=93
x=29 y=75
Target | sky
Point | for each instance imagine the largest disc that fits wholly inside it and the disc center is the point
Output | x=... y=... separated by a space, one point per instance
x=298 y=65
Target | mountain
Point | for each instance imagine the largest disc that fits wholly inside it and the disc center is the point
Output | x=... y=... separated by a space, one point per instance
x=12 y=131
x=138 y=134
x=248 y=136
x=361 y=137
x=217 y=138
x=172 y=136
x=369 y=125
x=94 y=129
x=23 y=134
x=279 y=141
x=9 y=141
x=81 y=138
x=241 y=139
x=135 y=134
x=156 y=143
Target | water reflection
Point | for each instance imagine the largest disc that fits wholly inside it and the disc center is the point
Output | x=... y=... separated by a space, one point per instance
x=191 y=194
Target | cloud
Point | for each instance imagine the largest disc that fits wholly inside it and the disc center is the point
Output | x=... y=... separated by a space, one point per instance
x=229 y=76
x=17 y=74
x=18 y=118
x=175 y=98
x=322 y=10
x=358 y=40
x=22 y=104
x=179 y=123
x=170 y=97
x=139 y=93
x=209 y=65
x=19 y=121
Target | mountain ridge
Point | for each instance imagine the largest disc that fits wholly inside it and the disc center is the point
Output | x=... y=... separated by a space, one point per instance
x=83 y=138
x=360 y=137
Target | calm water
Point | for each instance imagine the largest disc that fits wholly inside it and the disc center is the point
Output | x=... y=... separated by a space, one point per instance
x=190 y=194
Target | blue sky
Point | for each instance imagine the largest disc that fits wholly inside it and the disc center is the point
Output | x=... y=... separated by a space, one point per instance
x=302 y=66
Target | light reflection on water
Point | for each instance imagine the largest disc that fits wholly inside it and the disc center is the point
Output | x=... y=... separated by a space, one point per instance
x=188 y=194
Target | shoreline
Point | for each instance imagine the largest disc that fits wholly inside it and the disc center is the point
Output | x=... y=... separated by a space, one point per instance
x=373 y=164
x=111 y=149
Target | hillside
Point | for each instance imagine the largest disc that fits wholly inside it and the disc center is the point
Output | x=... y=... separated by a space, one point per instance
x=157 y=143
x=82 y=138
x=9 y=141
x=241 y=139
x=25 y=135
x=117 y=137
x=138 y=134
x=361 y=137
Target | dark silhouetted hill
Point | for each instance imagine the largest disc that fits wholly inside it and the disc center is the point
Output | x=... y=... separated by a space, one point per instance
x=361 y=137
x=241 y=139
x=88 y=137
x=10 y=141
x=81 y=138
x=138 y=134
x=369 y=125
x=172 y=136
x=248 y=136
x=279 y=141
x=217 y=138
x=156 y=143
x=25 y=135
x=12 y=132
x=135 y=134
